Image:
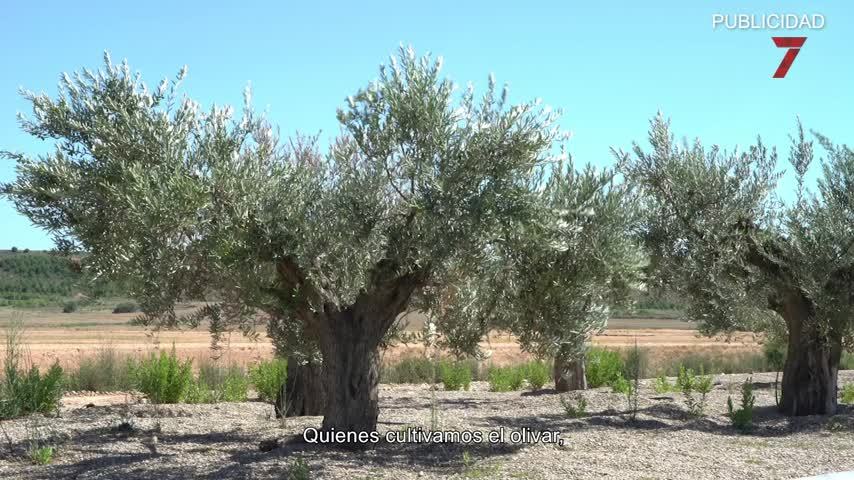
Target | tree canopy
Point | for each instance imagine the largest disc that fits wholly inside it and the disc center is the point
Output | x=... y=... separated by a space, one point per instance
x=418 y=187
x=718 y=234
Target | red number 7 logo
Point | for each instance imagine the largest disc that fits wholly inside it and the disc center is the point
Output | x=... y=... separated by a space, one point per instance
x=794 y=45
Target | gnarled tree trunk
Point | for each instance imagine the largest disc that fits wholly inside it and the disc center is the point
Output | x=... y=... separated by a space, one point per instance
x=349 y=339
x=303 y=393
x=351 y=373
x=812 y=362
x=569 y=373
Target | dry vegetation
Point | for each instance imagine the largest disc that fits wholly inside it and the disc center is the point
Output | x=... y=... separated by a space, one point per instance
x=70 y=337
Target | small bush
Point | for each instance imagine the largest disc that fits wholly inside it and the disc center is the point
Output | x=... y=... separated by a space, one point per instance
x=126 y=307
x=409 y=370
x=847 y=394
x=575 y=407
x=298 y=470
x=455 y=375
x=163 y=378
x=268 y=378
x=742 y=419
x=621 y=385
x=105 y=372
x=217 y=383
x=690 y=384
x=506 y=379
x=537 y=374
x=603 y=367
x=629 y=389
x=663 y=385
x=41 y=455
x=21 y=392
x=31 y=392
x=235 y=386
x=70 y=306
x=200 y=392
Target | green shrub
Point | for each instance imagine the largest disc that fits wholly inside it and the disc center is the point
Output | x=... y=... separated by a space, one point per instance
x=126 y=307
x=163 y=378
x=629 y=389
x=41 y=455
x=603 y=367
x=235 y=386
x=663 y=385
x=268 y=377
x=298 y=470
x=409 y=370
x=506 y=379
x=200 y=392
x=742 y=418
x=847 y=394
x=537 y=374
x=455 y=375
x=575 y=407
x=70 y=306
x=22 y=392
x=621 y=385
x=31 y=392
x=689 y=384
x=216 y=374
x=217 y=383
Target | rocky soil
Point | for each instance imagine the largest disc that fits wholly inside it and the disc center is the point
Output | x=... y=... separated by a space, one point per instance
x=120 y=437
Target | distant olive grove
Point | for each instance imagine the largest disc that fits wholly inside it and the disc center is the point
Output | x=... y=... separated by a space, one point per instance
x=39 y=279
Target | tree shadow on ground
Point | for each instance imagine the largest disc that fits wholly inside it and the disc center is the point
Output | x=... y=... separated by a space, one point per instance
x=123 y=454
x=767 y=421
x=438 y=458
x=540 y=392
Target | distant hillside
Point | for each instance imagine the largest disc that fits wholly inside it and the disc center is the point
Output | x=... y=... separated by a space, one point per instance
x=40 y=279
x=37 y=279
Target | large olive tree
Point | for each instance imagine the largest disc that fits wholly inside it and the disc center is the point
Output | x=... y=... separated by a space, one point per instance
x=745 y=260
x=183 y=204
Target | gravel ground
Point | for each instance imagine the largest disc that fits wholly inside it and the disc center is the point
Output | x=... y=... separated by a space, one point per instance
x=222 y=441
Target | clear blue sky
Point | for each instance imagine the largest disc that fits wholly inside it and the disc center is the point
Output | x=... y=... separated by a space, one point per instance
x=609 y=65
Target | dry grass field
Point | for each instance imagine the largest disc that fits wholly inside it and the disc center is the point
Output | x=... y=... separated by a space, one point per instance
x=68 y=337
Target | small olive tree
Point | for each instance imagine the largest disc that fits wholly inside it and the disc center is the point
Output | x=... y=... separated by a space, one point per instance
x=568 y=279
x=182 y=204
x=744 y=260
x=552 y=283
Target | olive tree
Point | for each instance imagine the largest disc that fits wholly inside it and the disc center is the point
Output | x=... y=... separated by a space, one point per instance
x=184 y=204
x=552 y=283
x=567 y=281
x=717 y=234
